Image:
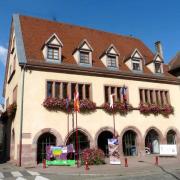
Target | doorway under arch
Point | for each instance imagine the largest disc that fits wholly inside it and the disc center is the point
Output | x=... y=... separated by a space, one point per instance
x=83 y=141
x=152 y=142
x=44 y=140
x=102 y=141
x=171 y=137
x=129 y=143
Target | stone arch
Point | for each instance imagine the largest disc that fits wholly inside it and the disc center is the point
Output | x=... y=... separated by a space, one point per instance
x=106 y=128
x=140 y=146
x=161 y=137
x=177 y=134
x=59 y=140
x=83 y=130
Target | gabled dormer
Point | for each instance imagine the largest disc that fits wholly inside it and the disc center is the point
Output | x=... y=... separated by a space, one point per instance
x=83 y=54
x=135 y=61
x=52 y=49
x=110 y=58
x=156 y=65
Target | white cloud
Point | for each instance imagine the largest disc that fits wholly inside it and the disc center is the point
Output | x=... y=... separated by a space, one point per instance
x=3 y=54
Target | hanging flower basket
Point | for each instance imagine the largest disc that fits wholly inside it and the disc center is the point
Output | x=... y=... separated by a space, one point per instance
x=147 y=109
x=10 y=111
x=56 y=104
x=118 y=107
x=87 y=106
x=166 y=110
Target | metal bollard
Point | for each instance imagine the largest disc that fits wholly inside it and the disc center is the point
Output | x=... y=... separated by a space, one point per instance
x=44 y=163
x=126 y=162
x=156 y=161
x=86 y=166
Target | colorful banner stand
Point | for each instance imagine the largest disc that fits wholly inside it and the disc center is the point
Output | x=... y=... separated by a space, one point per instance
x=61 y=163
x=114 y=153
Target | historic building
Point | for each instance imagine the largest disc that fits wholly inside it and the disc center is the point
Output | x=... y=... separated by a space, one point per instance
x=47 y=61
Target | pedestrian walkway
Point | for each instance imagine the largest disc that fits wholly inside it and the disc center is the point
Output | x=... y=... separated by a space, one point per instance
x=22 y=175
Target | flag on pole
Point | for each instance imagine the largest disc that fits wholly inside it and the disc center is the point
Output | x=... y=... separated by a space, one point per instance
x=123 y=92
x=76 y=101
x=111 y=100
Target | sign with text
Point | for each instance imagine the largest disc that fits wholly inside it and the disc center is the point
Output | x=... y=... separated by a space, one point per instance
x=168 y=150
x=114 y=153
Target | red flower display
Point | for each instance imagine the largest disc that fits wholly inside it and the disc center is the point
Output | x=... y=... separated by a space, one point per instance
x=93 y=156
x=165 y=110
x=122 y=108
x=56 y=104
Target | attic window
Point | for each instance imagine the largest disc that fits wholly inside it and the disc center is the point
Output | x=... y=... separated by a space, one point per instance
x=84 y=57
x=53 y=53
x=157 y=67
x=111 y=61
x=136 y=65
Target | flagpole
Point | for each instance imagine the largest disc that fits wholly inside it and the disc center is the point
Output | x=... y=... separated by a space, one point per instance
x=68 y=128
x=114 y=125
x=77 y=148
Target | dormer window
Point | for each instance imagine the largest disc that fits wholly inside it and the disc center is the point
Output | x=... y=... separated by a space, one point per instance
x=83 y=54
x=84 y=57
x=111 y=61
x=157 y=67
x=52 y=49
x=52 y=53
x=136 y=65
x=110 y=58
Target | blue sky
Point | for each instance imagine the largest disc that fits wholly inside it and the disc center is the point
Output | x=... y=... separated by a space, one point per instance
x=149 y=20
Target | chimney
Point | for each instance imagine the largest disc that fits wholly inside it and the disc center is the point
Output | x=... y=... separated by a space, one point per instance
x=158 y=47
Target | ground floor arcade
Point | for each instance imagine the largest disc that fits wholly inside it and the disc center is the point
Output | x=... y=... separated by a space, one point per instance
x=132 y=142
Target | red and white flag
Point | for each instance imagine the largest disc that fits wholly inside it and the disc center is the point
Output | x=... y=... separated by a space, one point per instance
x=76 y=101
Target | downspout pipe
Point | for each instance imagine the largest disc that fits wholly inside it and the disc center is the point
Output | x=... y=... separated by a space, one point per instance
x=21 y=114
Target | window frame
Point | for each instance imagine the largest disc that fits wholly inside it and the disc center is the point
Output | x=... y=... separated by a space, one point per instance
x=137 y=61
x=109 y=59
x=84 y=60
x=155 y=69
x=53 y=48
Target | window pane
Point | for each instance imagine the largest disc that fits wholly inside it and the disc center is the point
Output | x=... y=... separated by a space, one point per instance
x=49 y=89
x=87 y=89
x=73 y=88
x=157 y=67
x=106 y=94
x=64 y=90
x=111 y=61
x=84 y=57
x=136 y=66
x=57 y=90
x=80 y=88
x=53 y=53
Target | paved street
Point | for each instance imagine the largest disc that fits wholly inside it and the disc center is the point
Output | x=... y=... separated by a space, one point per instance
x=169 y=168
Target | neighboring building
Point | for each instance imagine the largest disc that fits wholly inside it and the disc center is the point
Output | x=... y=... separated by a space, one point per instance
x=174 y=65
x=49 y=59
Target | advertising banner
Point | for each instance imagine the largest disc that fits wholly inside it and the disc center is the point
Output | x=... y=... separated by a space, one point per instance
x=113 y=146
x=168 y=150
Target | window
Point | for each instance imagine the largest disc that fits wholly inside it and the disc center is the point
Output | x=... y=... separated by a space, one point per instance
x=84 y=57
x=111 y=61
x=7 y=102
x=108 y=90
x=64 y=89
x=49 y=89
x=136 y=65
x=157 y=67
x=159 y=97
x=53 y=53
x=15 y=95
x=14 y=63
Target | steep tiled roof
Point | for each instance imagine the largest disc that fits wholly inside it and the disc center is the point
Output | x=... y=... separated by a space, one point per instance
x=175 y=62
x=36 y=31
